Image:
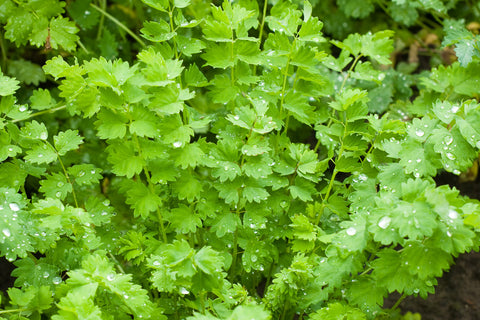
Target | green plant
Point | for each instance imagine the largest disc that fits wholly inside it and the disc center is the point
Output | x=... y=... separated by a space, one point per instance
x=235 y=168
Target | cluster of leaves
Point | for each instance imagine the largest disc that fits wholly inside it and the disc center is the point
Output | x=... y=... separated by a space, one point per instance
x=239 y=166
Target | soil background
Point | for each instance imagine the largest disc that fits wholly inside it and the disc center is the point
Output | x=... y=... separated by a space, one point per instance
x=457 y=295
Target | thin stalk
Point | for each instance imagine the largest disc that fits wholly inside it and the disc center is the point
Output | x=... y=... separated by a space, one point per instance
x=102 y=20
x=4 y=53
x=19 y=310
x=152 y=190
x=118 y=23
x=357 y=58
x=260 y=35
x=80 y=44
x=67 y=176
x=172 y=29
x=36 y=114
x=234 y=252
x=395 y=306
x=117 y=263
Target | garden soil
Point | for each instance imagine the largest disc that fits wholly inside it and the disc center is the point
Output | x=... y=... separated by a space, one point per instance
x=457 y=295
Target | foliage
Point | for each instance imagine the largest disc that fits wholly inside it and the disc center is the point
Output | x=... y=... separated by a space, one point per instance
x=231 y=162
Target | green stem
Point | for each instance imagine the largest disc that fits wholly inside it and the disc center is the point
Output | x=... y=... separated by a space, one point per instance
x=152 y=190
x=67 y=176
x=118 y=23
x=260 y=35
x=395 y=306
x=36 y=114
x=103 y=4
x=357 y=58
x=117 y=263
x=4 y=53
x=172 y=29
x=19 y=310
x=234 y=252
x=80 y=44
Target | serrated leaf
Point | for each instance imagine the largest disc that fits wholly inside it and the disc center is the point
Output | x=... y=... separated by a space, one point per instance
x=67 y=141
x=8 y=85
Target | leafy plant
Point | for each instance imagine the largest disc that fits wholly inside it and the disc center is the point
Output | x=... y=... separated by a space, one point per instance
x=241 y=165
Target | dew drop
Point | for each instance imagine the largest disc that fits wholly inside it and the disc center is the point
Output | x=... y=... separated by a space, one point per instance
x=110 y=277
x=450 y=156
x=420 y=132
x=177 y=144
x=81 y=173
x=351 y=231
x=384 y=222
x=254 y=258
x=6 y=232
x=57 y=280
x=236 y=117
x=14 y=206
x=22 y=108
x=43 y=136
x=452 y=214
x=184 y=291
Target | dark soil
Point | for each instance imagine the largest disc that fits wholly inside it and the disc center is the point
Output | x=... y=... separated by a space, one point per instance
x=457 y=295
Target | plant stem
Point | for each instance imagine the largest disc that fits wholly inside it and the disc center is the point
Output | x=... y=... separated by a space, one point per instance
x=118 y=23
x=395 y=306
x=4 y=53
x=67 y=176
x=40 y=113
x=102 y=20
x=260 y=35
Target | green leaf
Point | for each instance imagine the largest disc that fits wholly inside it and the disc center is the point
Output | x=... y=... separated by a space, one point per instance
x=8 y=85
x=63 y=34
x=141 y=199
x=67 y=141
x=157 y=31
x=26 y=72
x=85 y=174
x=183 y=219
x=125 y=161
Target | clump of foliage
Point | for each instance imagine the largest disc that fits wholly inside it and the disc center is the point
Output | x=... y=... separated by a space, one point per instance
x=193 y=160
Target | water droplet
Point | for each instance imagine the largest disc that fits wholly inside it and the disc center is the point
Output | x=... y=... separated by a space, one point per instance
x=449 y=233
x=236 y=117
x=110 y=277
x=184 y=291
x=40 y=155
x=450 y=156
x=351 y=231
x=156 y=263
x=452 y=214
x=420 y=132
x=14 y=206
x=81 y=173
x=57 y=280
x=177 y=144
x=254 y=258
x=43 y=136
x=6 y=232
x=126 y=296
x=58 y=194
x=448 y=140
x=46 y=274
x=362 y=177
x=384 y=222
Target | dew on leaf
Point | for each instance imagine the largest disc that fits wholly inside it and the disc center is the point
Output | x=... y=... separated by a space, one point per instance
x=384 y=222
x=420 y=132
x=452 y=214
x=184 y=291
x=14 y=206
x=177 y=144
x=351 y=231
x=6 y=232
